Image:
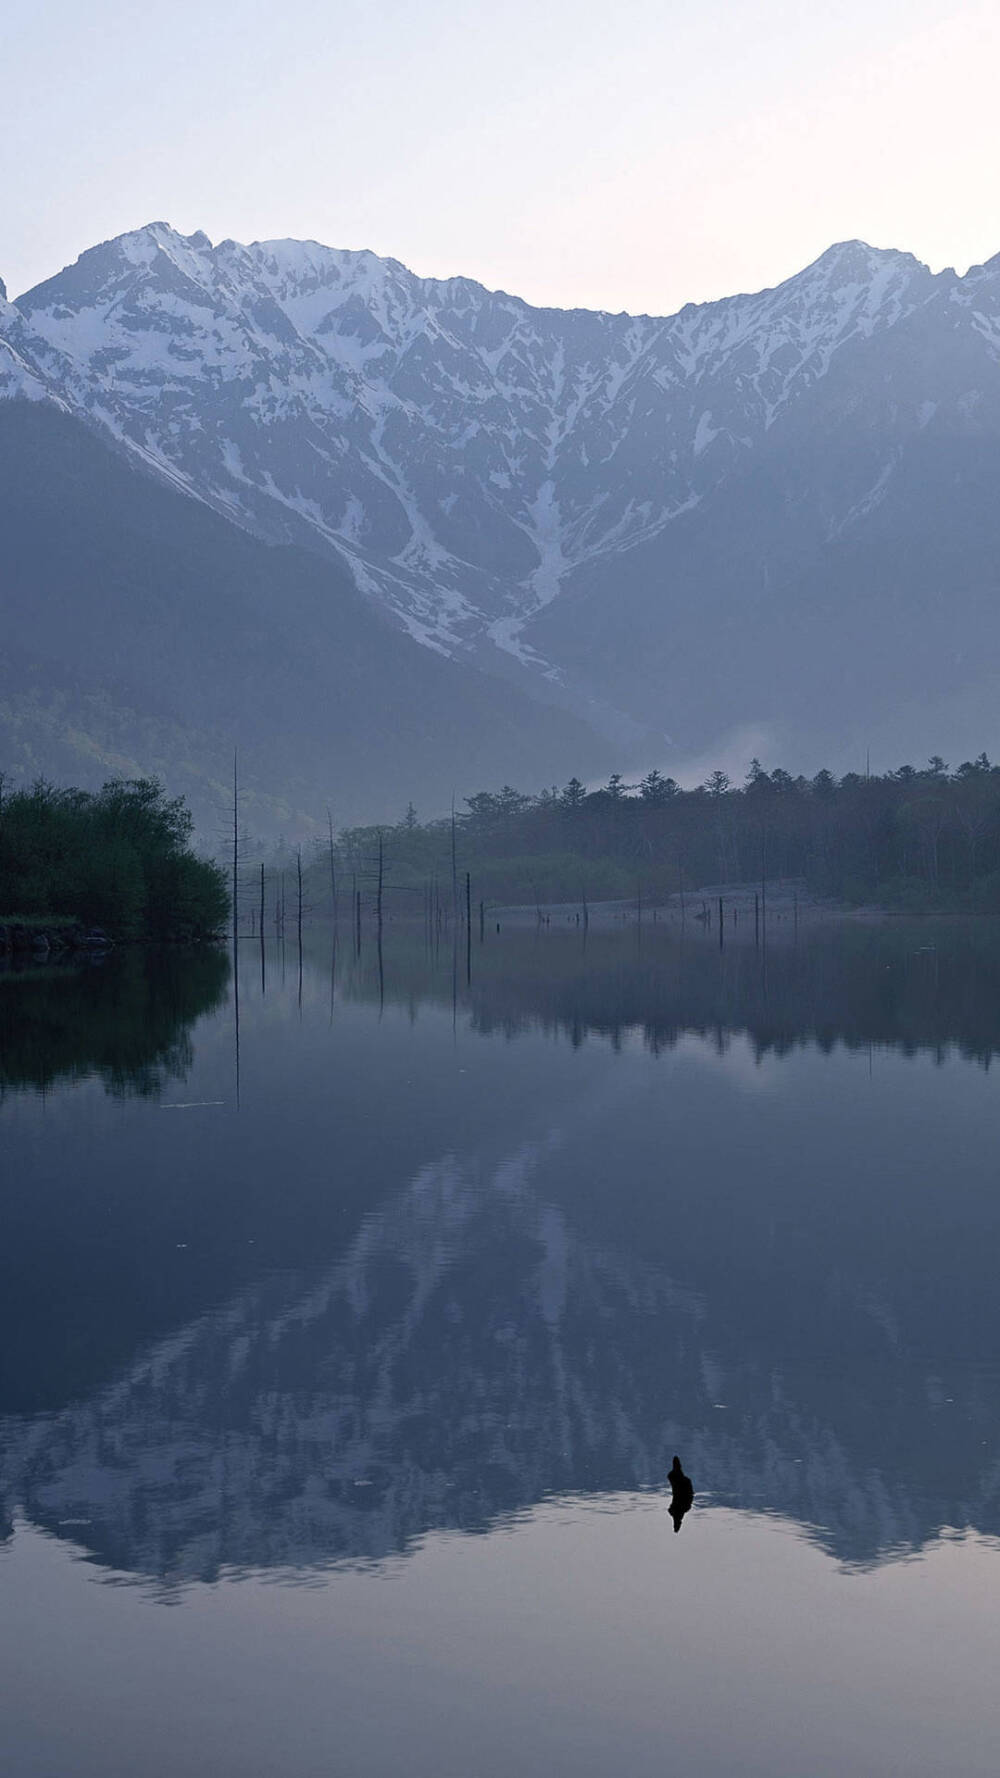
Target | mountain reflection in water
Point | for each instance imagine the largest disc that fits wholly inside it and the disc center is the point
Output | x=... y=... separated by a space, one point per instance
x=488 y=1266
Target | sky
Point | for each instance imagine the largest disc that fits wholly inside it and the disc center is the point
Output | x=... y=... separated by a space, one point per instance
x=636 y=155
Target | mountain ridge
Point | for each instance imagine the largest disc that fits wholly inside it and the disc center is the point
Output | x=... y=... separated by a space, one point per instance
x=547 y=493
x=163 y=233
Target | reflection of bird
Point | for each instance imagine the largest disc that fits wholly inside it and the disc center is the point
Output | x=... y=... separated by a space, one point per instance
x=683 y=1493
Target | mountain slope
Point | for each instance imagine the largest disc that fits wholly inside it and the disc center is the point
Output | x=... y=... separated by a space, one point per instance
x=774 y=511
x=144 y=632
x=842 y=588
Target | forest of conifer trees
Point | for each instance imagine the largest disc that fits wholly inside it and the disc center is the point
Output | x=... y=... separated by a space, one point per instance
x=916 y=838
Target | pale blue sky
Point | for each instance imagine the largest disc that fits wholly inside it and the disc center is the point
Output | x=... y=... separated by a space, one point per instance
x=632 y=155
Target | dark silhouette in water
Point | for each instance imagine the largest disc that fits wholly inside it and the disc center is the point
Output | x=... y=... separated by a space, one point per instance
x=682 y=1499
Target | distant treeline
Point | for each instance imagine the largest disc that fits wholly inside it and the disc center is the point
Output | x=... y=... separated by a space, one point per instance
x=910 y=838
x=118 y=859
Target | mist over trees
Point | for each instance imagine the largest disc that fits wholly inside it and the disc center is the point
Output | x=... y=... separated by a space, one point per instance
x=916 y=837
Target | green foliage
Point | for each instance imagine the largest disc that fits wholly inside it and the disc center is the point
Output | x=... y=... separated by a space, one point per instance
x=117 y=859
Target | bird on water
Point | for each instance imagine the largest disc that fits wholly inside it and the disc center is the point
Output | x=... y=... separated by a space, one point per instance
x=682 y=1497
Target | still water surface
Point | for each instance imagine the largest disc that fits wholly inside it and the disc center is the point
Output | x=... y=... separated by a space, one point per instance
x=340 y=1377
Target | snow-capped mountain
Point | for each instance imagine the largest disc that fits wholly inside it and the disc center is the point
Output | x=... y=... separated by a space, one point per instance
x=658 y=521
x=466 y=451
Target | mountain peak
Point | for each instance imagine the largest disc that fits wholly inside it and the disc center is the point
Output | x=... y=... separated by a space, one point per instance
x=165 y=235
x=858 y=262
x=142 y=245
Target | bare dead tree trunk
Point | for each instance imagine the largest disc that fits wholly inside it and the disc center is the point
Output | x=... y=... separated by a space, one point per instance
x=263 y=971
x=454 y=865
x=298 y=872
x=236 y=961
x=236 y=849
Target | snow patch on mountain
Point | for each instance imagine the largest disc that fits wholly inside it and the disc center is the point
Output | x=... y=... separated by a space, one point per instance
x=17 y=381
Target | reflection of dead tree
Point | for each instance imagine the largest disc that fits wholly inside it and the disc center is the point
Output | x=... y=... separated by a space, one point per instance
x=298 y=872
x=333 y=868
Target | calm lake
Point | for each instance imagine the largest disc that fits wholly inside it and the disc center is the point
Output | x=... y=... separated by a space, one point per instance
x=349 y=1327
